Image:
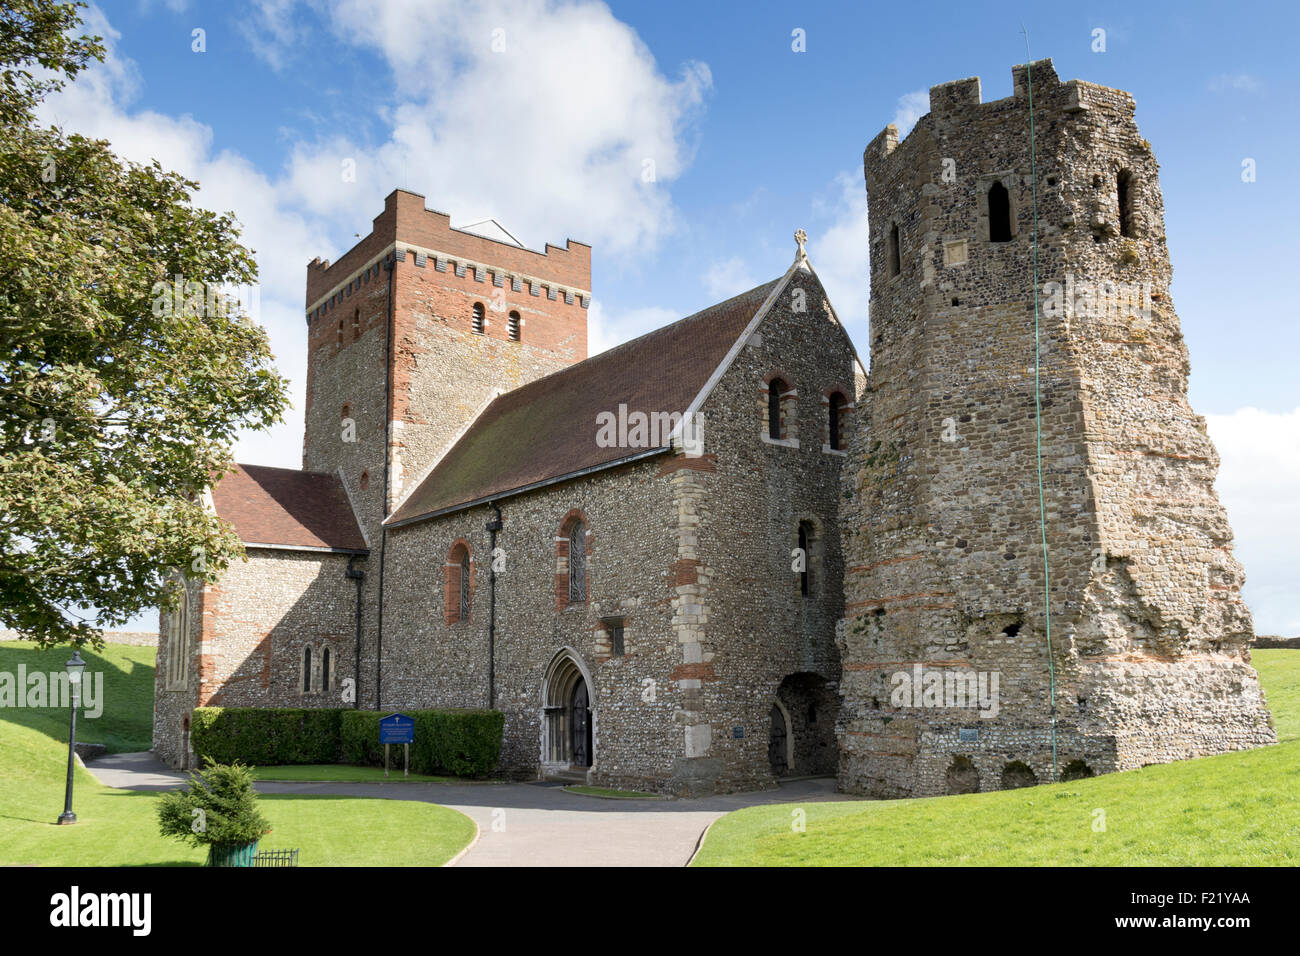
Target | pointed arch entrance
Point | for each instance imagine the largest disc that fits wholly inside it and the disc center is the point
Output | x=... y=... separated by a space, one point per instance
x=568 y=709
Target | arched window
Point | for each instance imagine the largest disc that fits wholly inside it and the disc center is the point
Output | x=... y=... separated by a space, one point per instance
x=577 y=563
x=512 y=327
x=464 y=585
x=835 y=423
x=325 y=669
x=895 y=251
x=178 y=640
x=306 y=670
x=999 y=214
x=1124 y=183
x=340 y=333
x=479 y=318
x=774 y=390
x=458 y=584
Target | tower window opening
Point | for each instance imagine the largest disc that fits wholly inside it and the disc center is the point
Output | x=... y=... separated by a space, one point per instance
x=999 y=214
x=1124 y=184
x=895 y=251
x=774 y=390
x=836 y=423
x=479 y=322
x=512 y=327
x=805 y=548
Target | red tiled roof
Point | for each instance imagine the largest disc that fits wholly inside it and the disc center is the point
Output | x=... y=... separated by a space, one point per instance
x=289 y=508
x=546 y=430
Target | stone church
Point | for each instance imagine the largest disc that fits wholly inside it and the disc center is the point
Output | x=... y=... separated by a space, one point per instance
x=722 y=553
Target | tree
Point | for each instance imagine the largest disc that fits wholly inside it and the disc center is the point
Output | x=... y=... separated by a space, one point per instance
x=218 y=808
x=126 y=369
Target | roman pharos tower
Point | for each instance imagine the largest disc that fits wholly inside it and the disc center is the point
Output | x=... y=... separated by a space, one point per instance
x=949 y=684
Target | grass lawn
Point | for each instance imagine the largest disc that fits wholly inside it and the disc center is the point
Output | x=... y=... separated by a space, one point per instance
x=342 y=773
x=119 y=827
x=1234 y=809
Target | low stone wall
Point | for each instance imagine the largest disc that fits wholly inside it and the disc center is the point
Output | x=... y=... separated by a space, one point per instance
x=1272 y=640
x=137 y=638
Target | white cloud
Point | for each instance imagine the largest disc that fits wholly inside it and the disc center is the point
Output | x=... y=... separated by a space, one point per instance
x=1259 y=484
x=1235 y=82
x=552 y=118
x=271 y=30
x=727 y=278
x=911 y=107
x=839 y=253
x=549 y=137
x=605 y=330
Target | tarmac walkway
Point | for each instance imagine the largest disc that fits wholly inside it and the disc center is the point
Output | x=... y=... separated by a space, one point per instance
x=527 y=824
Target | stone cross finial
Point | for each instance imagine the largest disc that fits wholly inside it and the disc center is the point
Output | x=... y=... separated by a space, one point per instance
x=801 y=237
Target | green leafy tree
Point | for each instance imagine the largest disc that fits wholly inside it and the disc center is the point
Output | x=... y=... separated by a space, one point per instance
x=218 y=807
x=126 y=370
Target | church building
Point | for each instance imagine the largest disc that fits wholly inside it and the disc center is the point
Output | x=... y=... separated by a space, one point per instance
x=721 y=553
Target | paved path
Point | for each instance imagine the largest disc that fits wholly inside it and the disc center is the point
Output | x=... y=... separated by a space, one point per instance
x=527 y=824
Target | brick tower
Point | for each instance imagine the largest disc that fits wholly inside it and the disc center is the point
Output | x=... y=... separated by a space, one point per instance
x=414 y=329
x=944 y=559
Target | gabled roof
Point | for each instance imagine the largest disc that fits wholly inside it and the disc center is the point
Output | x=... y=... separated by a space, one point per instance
x=491 y=229
x=546 y=431
x=285 y=508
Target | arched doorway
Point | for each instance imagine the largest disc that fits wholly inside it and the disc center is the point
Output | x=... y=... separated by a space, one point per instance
x=779 y=740
x=567 y=715
x=580 y=714
x=802 y=737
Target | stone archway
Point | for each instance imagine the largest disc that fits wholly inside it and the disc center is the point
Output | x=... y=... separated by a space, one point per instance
x=780 y=741
x=568 y=715
x=809 y=707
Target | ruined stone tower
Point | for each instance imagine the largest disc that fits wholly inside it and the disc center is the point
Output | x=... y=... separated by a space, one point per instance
x=943 y=549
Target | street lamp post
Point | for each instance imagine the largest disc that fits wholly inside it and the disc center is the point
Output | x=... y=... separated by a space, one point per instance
x=74 y=667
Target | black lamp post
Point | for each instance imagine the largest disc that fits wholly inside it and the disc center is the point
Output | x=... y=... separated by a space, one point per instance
x=74 y=668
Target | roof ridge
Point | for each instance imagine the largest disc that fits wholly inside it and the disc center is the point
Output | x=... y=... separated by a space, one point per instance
x=612 y=350
x=295 y=471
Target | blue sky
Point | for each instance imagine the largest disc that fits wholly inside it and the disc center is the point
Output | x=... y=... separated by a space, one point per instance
x=543 y=115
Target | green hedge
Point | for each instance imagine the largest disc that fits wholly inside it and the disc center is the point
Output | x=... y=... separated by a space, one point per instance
x=463 y=743
x=265 y=736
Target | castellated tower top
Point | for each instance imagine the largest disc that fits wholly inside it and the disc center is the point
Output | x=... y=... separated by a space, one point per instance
x=411 y=227
x=960 y=101
x=960 y=185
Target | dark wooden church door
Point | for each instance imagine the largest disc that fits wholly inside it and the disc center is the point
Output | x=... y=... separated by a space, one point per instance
x=579 y=707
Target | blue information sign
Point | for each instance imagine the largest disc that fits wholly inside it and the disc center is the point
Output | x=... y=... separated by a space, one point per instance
x=397 y=729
